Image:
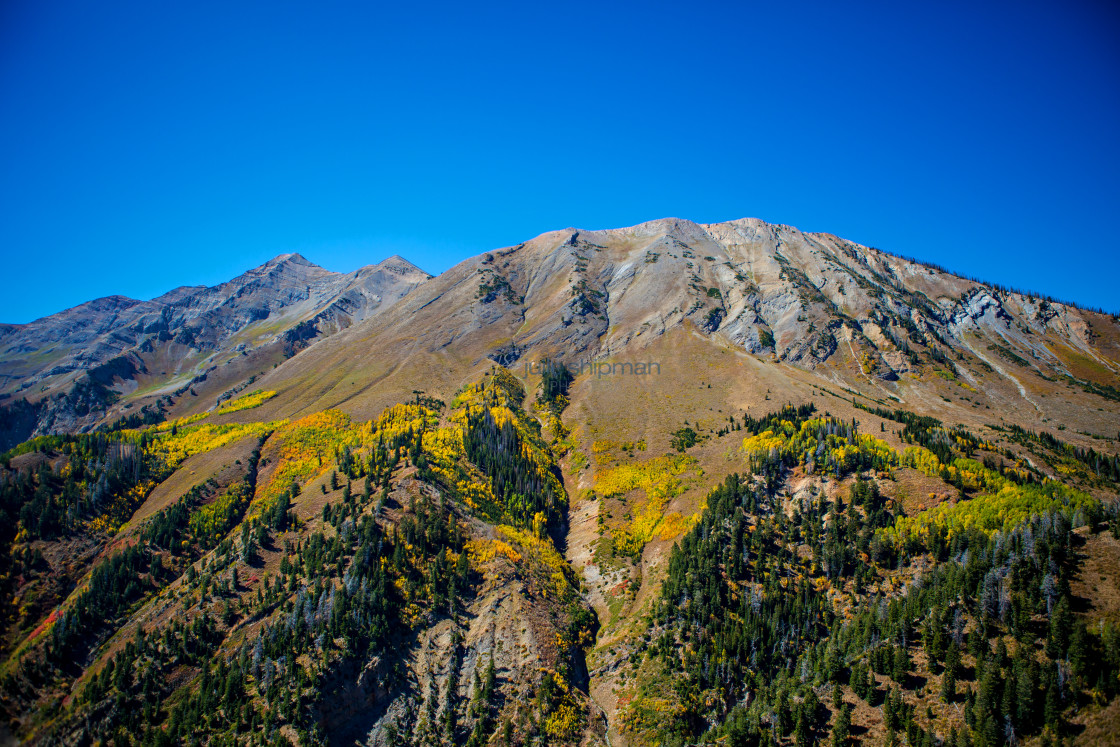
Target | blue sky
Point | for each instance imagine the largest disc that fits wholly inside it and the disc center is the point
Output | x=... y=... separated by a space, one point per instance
x=148 y=145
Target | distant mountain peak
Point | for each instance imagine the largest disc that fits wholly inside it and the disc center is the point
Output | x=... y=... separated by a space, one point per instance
x=283 y=268
x=399 y=264
x=213 y=335
x=291 y=258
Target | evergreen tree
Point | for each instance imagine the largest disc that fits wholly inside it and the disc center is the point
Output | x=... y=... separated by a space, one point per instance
x=842 y=728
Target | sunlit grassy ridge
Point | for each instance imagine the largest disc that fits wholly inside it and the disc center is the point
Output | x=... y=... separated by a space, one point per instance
x=246 y=401
x=510 y=479
x=164 y=451
x=309 y=446
x=172 y=447
x=107 y=475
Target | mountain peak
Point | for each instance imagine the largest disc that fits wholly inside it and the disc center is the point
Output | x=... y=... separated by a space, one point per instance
x=103 y=305
x=291 y=265
x=677 y=227
x=291 y=258
x=399 y=264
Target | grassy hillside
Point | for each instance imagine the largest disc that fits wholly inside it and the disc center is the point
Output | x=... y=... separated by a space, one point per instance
x=346 y=550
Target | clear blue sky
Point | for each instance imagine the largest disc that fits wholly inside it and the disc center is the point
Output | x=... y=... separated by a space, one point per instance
x=145 y=145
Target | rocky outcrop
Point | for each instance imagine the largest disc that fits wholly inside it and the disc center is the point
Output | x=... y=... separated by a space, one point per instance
x=766 y=289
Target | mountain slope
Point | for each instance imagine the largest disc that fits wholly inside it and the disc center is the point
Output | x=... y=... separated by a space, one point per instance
x=679 y=483
x=74 y=364
x=848 y=314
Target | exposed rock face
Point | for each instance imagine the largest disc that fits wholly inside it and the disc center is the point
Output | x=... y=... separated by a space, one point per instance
x=188 y=332
x=805 y=299
x=764 y=289
x=504 y=625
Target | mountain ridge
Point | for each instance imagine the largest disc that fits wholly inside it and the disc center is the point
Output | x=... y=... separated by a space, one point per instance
x=667 y=484
x=190 y=332
x=171 y=297
x=504 y=316
x=830 y=294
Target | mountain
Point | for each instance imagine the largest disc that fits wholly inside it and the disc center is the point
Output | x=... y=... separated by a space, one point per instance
x=675 y=483
x=819 y=308
x=73 y=365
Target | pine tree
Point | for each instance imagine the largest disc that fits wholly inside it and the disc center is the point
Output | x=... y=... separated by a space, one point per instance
x=1026 y=685
x=804 y=733
x=1061 y=623
x=842 y=729
x=1052 y=709
x=948 y=685
x=900 y=665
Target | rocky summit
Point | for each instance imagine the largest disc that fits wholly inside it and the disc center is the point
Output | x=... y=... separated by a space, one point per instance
x=669 y=484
